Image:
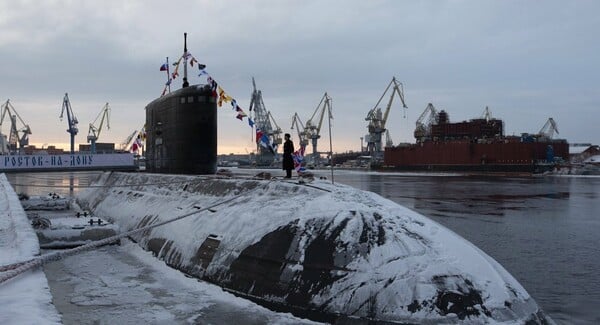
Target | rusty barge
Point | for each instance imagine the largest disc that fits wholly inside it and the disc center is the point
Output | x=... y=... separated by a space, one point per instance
x=478 y=145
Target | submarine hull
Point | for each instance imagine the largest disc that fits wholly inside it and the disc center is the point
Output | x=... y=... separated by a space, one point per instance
x=326 y=252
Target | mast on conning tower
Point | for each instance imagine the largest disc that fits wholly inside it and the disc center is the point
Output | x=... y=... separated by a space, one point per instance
x=185 y=58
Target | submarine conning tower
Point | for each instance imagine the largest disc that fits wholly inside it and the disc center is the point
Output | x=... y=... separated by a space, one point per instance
x=181 y=128
x=181 y=132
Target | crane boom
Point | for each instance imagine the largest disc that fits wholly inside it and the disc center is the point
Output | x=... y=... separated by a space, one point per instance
x=276 y=132
x=423 y=129
x=548 y=129
x=94 y=131
x=324 y=105
x=14 y=111
x=312 y=129
x=487 y=115
x=377 y=119
x=398 y=89
x=429 y=109
x=388 y=139
x=318 y=110
x=11 y=145
x=300 y=129
x=4 y=111
x=125 y=143
x=254 y=96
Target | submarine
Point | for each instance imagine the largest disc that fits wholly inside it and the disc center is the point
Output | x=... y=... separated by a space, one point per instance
x=322 y=251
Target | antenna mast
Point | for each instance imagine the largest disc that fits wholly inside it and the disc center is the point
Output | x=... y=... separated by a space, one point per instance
x=185 y=58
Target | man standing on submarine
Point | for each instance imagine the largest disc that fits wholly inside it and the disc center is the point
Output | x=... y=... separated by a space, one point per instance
x=288 y=161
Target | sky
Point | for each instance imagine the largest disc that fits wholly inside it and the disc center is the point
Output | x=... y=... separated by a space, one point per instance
x=526 y=60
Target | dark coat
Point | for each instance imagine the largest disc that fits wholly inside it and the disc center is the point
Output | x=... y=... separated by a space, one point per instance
x=288 y=149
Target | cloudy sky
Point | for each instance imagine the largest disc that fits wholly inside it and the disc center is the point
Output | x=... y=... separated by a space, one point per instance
x=526 y=60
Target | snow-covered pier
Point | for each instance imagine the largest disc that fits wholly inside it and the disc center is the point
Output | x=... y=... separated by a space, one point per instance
x=328 y=252
x=25 y=299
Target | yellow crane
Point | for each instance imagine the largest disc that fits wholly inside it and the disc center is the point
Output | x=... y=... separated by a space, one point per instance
x=313 y=125
x=377 y=119
x=300 y=129
x=94 y=131
x=424 y=122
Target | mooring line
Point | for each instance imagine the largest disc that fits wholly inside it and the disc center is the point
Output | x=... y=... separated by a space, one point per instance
x=12 y=270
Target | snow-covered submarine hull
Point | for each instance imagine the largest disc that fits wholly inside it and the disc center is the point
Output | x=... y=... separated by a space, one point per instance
x=326 y=252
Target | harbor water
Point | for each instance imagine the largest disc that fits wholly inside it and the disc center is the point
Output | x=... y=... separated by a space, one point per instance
x=543 y=230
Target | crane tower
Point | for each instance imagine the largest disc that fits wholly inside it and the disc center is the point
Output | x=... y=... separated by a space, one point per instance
x=71 y=121
x=313 y=125
x=264 y=122
x=94 y=131
x=14 y=138
x=424 y=123
x=377 y=119
x=300 y=129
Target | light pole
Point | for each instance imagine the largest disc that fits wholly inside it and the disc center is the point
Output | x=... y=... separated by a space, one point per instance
x=361 y=145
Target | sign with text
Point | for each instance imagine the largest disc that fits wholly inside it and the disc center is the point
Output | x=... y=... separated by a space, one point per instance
x=66 y=162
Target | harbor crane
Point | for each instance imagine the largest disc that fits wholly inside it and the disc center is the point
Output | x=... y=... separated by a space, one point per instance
x=377 y=119
x=424 y=122
x=276 y=131
x=14 y=138
x=264 y=122
x=548 y=129
x=487 y=115
x=94 y=131
x=71 y=120
x=300 y=129
x=125 y=143
x=314 y=123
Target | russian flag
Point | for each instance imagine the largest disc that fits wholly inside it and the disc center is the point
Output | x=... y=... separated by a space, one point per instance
x=164 y=67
